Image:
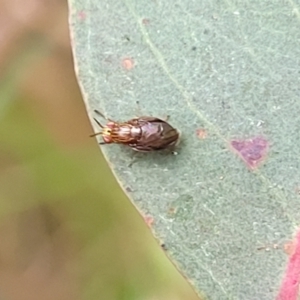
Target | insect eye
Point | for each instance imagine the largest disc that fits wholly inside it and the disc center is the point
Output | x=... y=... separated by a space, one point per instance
x=110 y=125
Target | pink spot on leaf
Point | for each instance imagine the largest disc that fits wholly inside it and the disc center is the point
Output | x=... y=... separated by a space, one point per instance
x=201 y=133
x=81 y=15
x=149 y=220
x=252 y=151
x=289 y=248
x=290 y=284
x=145 y=21
x=127 y=63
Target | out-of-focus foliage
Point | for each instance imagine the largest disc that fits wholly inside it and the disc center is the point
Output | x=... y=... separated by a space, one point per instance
x=66 y=229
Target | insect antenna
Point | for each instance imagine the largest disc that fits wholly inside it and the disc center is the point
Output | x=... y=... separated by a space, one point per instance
x=102 y=115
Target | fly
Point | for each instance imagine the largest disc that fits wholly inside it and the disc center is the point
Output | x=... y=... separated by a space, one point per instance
x=142 y=134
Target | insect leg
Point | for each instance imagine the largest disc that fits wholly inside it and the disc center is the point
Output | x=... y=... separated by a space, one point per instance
x=139 y=111
x=100 y=125
x=103 y=116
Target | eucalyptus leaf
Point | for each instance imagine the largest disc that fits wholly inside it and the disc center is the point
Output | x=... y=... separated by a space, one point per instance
x=228 y=75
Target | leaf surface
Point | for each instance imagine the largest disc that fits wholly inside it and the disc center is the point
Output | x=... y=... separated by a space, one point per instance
x=227 y=73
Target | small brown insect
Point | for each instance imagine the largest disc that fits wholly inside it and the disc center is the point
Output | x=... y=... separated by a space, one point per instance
x=141 y=134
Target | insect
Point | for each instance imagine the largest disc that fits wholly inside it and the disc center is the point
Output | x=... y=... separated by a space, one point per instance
x=141 y=134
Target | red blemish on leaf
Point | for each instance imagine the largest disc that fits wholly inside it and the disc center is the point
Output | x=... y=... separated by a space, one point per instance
x=289 y=248
x=128 y=189
x=149 y=220
x=145 y=21
x=171 y=211
x=127 y=63
x=201 y=133
x=290 y=284
x=81 y=15
x=252 y=151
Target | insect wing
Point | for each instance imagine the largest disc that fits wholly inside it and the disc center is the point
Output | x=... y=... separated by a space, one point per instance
x=156 y=135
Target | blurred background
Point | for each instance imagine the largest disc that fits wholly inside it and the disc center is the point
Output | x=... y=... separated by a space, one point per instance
x=67 y=231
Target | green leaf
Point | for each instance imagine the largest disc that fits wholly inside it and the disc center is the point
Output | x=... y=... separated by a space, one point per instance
x=228 y=75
